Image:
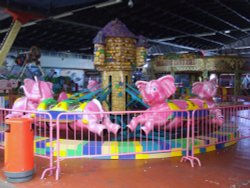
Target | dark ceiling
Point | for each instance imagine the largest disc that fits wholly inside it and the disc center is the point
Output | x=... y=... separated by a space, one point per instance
x=170 y=25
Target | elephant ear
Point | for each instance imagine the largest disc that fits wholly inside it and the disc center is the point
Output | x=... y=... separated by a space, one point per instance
x=29 y=84
x=46 y=89
x=50 y=85
x=92 y=85
x=94 y=106
x=167 y=84
x=213 y=81
x=197 y=88
x=141 y=85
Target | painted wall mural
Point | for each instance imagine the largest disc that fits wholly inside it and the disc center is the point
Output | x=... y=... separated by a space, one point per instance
x=77 y=76
x=215 y=64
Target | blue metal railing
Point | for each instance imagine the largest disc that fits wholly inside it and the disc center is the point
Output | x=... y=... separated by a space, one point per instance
x=134 y=93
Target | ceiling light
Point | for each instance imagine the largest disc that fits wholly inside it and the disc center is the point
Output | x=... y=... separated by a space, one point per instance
x=242 y=47
x=28 y=24
x=3 y=15
x=227 y=31
x=205 y=34
x=62 y=15
x=167 y=39
x=156 y=54
x=108 y=3
x=247 y=29
x=244 y=53
x=24 y=25
x=86 y=48
x=130 y=3
x=183 y=52
x=3 y=30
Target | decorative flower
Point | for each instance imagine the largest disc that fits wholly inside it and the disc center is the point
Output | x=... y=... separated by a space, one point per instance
x=120 y=94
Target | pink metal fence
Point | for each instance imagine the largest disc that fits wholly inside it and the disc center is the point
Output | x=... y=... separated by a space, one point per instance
x=211 y=136
x=199 y=131
x=79 y=142
x=42 y=124
x=224 y=99
x=59 y=135
x=243 y=98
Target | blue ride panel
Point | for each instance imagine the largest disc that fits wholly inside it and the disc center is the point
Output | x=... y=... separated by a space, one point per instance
x=198 y=113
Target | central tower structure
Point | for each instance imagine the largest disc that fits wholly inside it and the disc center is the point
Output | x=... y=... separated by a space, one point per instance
x=116 y=55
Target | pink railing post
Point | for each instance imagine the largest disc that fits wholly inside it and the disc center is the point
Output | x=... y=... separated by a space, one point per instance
x=191 y=157
x=200 y=128
x=58 y=147
x=51 y=166
x=39 y=120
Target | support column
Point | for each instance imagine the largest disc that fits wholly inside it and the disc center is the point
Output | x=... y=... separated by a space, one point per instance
x=192 y=79
x=204 y=71
x=9 y=40
x=236 y=82
x=205 y=75
x=118 y=93
x=172 y=71
x=151 y=70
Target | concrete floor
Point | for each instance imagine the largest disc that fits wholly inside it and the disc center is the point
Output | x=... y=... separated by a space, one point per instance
x=229 y=168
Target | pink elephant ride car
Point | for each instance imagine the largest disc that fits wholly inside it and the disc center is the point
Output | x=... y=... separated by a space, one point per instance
x=39 y=97
x=78 y=116
x=93 y=85
x=35 y=91
x=163 y=112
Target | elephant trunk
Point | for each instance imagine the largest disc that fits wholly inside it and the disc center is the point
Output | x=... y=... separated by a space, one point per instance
x=31 y=96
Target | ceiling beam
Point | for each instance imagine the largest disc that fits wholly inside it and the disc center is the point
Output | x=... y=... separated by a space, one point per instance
x=193 y=35
x=215 y=17
x=151 y=40
x=174 y=45
x=3 y=15
x=232 y=10
x=196 y=23
x=155 y=41
x=23 y=7
x=135 y=11
x=106 y=3
x=77 y=24
x=175 y=30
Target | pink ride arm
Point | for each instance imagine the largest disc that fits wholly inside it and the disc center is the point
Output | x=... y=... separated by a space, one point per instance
x=62 y=96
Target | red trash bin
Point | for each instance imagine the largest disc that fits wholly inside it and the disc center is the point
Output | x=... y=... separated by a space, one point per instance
x=19 y=150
